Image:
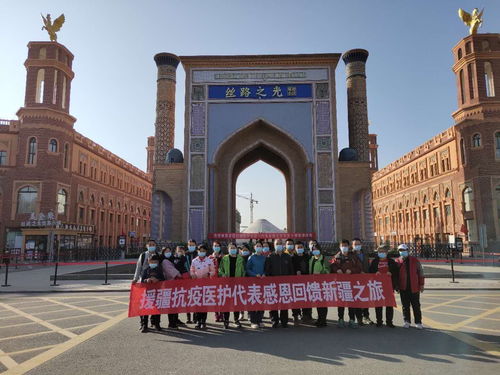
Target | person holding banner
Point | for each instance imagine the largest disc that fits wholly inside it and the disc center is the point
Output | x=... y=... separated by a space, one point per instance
x=170 y=273
x=216 y=257
x=411 y=284
x=180 y=263
x=279 y=264
x=232 y=265
x=345 y=261
x=245 y=253
x=317 y=266
x=202 y=267
x=152 y=274
x=190 y=256
x=256 y=268
x=357 y=248
x=383 y=265
x=300 y=262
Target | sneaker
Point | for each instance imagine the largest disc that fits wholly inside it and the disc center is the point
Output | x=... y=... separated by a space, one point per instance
x=367 y=321
x=353 y=324
x=203 y=325
x=296 y=321
x=144 y=329
x=181 y=323
x=306 y=319
x=237 y=324
x=158 y=327
x=173 y=327
x=360 y=322
x=189 y=322
x=406 y=325
x=379 y=324
x=419 y=326
x=390 y=325
x=341 y=323
x=320 y=324
x=226 y=325
x=276 y=325
x=262 y=325
x=197 y=326
x=254 y=326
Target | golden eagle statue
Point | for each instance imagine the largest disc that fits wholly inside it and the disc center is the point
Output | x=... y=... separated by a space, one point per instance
x=53 y=27
x=473 y=20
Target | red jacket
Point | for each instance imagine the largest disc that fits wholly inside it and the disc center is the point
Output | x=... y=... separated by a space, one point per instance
x=417 y=278
x=346 y=262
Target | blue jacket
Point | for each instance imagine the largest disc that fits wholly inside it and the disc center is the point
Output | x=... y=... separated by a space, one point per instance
x=256 y=265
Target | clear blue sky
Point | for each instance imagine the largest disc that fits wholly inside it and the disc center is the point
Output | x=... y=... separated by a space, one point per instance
x=411 y=89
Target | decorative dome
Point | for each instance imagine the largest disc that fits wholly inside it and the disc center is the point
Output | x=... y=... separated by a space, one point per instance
x=348 y=154
x=174 y=156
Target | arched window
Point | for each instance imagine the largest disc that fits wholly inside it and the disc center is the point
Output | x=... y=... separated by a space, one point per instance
x=32 y=150
x=54 y=90
x=63 y=96
x=53 y=145
x=3 y=157
x=80 y=197
x=470 y=76
x=476 y=140
x=66 y=155
x=447 y=193
x=425 y=199
x=485 y=45
x=459 y=53
x=110 y=203
x=62 y=198
x=461 y=79
x=462 y=151
x=497 y=145
x=92 y=199
x=26 y=200
x=436 y=196
x=40 y=86
x=467 y=197
x=468 y=48
x=118 y=205
x=102 y=202
x=489 y=80
x=415 y=202
x=42 y=53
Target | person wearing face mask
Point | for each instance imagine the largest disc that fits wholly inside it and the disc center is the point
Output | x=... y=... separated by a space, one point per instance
x=279 y=264
x=317 y=266
x=266 y=248
x=170 y=273
x=345 y=261
x=384 y=265
x=300 y=261
x=152 y=274
x=357 y=248
x=180 y=263
x=244 y=251
x=232 y=265
x=256 y=268
x=411 y=284
x=216 y=257
x=289 y=247
x=191 y=254
x=202 y=267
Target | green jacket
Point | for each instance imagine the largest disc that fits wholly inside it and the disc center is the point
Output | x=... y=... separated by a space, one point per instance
x=224 y=266
x=318 y=265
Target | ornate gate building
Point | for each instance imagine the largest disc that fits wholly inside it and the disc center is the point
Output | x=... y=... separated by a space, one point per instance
x=280 y=109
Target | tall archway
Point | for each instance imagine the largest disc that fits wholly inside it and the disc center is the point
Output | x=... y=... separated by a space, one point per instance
x=260 y=141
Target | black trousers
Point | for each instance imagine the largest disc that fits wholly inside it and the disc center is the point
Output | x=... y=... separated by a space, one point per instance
x=322 y=313
x=389 y=314
x=172 y=320
x=281 y=317
x=354 y=313
x=256 y=317
x=155 y=319
x=304 y=312
x=408 y=298
x=200 y=317
x=236 y=316
x=366 y=313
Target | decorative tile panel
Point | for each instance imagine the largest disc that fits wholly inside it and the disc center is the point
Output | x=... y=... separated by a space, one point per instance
x=198 y=119
x=323 y=118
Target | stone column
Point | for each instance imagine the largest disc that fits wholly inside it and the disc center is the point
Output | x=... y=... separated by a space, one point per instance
x=357 y=111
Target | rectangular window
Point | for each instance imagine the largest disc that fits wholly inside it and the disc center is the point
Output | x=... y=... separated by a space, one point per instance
x=3 y=157
x=81 y=214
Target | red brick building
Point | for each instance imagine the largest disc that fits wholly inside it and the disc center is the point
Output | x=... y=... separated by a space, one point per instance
x=450 y=185
x=57 y=187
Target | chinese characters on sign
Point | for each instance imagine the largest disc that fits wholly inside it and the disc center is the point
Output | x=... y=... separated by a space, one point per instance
x=244 y=236
x=272 y=293
x=260 y=91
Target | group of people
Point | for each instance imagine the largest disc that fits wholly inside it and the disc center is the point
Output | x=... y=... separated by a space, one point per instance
x=282 y=258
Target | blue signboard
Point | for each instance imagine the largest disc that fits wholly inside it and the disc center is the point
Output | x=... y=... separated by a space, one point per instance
x=289 y=91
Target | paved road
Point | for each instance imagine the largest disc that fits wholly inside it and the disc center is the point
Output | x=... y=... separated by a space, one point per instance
x=76 y=333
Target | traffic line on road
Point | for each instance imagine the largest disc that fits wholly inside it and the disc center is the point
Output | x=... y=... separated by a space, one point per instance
x=61 y=348
x=482 y=329
x=25 y=335
x=79 y=308
x=68 y=317
x=6 y=360
x=39 y=321
x=474 y=318
x=30 y=350
x=445 y=303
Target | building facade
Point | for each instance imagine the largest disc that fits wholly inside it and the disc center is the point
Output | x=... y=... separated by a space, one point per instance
x=280 y=109
x=58 y=189
x=450 y=185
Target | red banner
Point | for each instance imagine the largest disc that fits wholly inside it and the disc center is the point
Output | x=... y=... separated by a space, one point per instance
x=247 y=236
x=253 y=293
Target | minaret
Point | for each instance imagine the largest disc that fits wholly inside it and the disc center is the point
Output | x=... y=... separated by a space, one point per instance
x=357 y=112
x=165 y=105
x=150 y=149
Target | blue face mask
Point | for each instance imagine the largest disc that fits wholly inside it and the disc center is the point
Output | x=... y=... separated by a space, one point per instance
x=289 y=247
x=151 y=248
x=202 y=253
x=233 y=251
x=191 y=248
x=258 y=250
x=245 y=253
x=153 y=265
x=344 y=250
x=216 y=249
x=315 y=252
x=167 y=255
x=278 y=248
x=404 y=254
x=300 y=250
x=382 y=255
